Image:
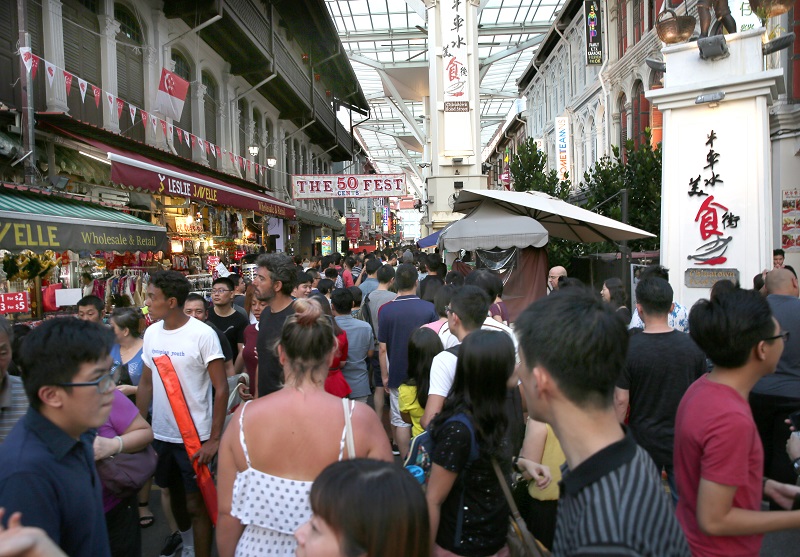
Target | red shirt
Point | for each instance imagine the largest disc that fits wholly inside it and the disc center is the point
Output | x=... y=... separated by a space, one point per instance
x=335 y=383
x=716 y=439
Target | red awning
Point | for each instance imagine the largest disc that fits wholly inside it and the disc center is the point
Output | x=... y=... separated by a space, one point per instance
x=133 y=169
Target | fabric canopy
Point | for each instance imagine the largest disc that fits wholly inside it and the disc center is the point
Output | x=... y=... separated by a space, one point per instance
x=31 y=220
x=559 y=218
x=490 y=226
x=430 y=240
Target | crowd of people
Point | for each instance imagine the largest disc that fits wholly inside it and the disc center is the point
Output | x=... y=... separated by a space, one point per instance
x=276 y=419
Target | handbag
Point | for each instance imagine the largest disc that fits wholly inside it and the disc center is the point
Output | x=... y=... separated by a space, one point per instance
x=521 y=542
x=124 y=474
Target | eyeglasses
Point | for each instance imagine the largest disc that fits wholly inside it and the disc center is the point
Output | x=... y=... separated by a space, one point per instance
x=448 y=310
x=220 y=291
x=783 y=334
x=105 y=383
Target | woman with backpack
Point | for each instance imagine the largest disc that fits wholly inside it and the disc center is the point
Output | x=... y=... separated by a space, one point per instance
x=468 y=511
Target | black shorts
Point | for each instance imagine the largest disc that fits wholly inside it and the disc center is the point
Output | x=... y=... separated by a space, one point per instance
x=174 y=466
x=377 y=380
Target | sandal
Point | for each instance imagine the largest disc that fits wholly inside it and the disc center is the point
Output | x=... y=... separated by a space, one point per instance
x=148 y=520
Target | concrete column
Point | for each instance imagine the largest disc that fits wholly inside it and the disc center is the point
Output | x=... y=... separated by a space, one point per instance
x=53 y=26
x=226 y=121
x=152 y=74
x=249 y=134
x=197 y=92
x=109 y=27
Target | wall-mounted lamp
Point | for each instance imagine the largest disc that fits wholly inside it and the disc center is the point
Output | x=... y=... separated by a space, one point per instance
x=712 y=99
x=253 y=150
x=271 y=162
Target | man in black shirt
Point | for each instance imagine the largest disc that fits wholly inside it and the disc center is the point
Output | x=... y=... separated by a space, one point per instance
x=662 y=362
x=224 y=315
x=274 y=281
x=196 y=306
x=572 y=347
x=430 y=285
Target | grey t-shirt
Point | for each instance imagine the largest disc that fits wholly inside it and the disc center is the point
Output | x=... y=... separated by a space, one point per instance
x=376 y=299
x=359 y=341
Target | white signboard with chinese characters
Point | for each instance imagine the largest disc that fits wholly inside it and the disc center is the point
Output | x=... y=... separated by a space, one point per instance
x=455 y=79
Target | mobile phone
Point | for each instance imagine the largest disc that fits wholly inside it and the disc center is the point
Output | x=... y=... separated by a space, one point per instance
x=794 y=418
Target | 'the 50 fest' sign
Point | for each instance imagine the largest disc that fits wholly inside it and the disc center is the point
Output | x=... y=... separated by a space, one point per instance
x=348 y=185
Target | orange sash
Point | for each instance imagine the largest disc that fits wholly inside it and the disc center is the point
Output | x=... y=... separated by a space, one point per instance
x=191 y=439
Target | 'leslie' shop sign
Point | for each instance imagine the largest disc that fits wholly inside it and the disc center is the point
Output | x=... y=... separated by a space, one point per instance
x=29 y=233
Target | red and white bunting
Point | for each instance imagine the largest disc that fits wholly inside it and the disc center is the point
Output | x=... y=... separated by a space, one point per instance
x=258 y=169
x=248 y=165
x=209 y=148
x=171 y=131
x=34 y=66
x=186 y=138
x=180 y=135
x=132 y=110
x=96 y=91
x=110 y=99
x=194 y=141
x=120 y=108
x=82 y=85
x=219 y=152
x=163 y=127
x=200 y=143
x=67 y=81
x=230 y=154
x=27 y=57
x=50 y=69
x=144 y=118
x=154 y=122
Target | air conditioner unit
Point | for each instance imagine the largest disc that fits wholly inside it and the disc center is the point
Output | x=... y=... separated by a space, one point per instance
x=111 y=196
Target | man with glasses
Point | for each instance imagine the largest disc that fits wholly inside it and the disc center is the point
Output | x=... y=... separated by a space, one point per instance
x=718 y=453
x=552 y=277
x=777 y=395
x=47 y=470
x=223 y=314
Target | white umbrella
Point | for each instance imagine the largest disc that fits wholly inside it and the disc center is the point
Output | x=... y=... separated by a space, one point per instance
x=489 y=226
x=561 y=219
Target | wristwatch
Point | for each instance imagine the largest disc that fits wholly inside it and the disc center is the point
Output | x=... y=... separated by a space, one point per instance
x=796 y=466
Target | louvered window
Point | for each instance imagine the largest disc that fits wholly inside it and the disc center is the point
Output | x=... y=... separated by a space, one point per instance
x=82 y=58
x=183 y=69
x=130 y=71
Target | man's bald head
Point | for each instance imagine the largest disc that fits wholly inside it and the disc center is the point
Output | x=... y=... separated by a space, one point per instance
x=781 y=281
x=554 y=275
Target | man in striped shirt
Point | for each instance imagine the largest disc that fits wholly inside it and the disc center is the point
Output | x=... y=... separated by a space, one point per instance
x=612 y=503
x=13 y=402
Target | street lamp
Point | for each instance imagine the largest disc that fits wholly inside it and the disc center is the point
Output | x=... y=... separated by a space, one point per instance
x=253 y=150
x=271 y=162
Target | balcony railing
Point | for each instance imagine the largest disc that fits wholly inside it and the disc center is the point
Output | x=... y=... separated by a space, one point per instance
x=253 y=20
x=292 y=72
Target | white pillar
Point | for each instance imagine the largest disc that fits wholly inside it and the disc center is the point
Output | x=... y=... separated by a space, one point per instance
x=198 y=90
x=53 y=28
x=109 y=27
x=716 y=200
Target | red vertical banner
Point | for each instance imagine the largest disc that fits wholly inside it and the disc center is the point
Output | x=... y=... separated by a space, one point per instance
x=352 y=228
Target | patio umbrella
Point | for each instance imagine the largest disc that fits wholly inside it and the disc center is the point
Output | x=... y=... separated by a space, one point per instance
x=490 y=226
x=559 y=218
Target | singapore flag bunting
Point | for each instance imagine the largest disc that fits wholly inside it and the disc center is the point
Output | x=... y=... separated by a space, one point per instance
x=171 y=94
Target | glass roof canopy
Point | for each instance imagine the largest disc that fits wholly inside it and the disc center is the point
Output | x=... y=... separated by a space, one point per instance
x=389 y=37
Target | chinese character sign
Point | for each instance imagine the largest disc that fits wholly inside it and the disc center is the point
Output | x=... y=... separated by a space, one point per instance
x=455 y=77
x=713 y=219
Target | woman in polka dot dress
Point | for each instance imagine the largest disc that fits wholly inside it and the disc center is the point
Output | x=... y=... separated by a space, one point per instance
x=277 y=445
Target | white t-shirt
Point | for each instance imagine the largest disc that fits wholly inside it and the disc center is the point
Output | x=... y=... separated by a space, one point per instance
x=443 y=367
x=190 y=348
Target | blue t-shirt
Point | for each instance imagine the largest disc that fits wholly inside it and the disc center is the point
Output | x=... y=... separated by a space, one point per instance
x=396 y=321
x=50 y=478
x=134 y=364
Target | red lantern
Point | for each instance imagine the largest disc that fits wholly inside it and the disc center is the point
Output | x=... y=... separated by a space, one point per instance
x=305 y=58
x=327 y=92
x=317 y=77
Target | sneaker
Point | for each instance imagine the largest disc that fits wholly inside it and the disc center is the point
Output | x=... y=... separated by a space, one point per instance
x=172 y=544
x=188 y=551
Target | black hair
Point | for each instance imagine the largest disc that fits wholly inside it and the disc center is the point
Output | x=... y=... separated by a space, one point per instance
x=357 y=295
x=721 y=286
x=54 y=352
x=349 y=262
x=195 y=297
x=342 y=301
x=729 y=326
x=361 y=499
x=224 y=280
x=570 y=282
x=791 y=270
x=471 y=304
x=405 y=277
x=423 y=346
x=127 y=318
x=372 y=266
x=235 y=279
x=487 y=281
x=617 y=292
x=385 y=274
x=313 y=273
x=758 y=282
x=456 y=278
x=281 y=268
x=325 y=262
x=778 y=251
x=654 y=294
x=331 y=273
x=172 y=284
x=579 y=340
x=442 y=299
x=324 y=286
x=485 y=364
x=92 y=300
x=308 y=337
x=303 y=277
x=19 y=332
x=655 y=271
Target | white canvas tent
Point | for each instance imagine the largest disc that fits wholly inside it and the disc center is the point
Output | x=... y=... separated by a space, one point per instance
x=489 y=226
x=559 y=218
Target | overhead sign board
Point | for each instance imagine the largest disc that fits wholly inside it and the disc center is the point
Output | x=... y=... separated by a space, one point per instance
x=326 y=186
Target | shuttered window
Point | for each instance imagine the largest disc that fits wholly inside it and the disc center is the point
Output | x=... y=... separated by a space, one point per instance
x=210 y=104
x=82 y=58
x=130 y=71
x=623 y=127
x=183 y=69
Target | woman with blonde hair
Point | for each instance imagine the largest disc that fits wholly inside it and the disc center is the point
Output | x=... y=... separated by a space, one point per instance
x=276 y=446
